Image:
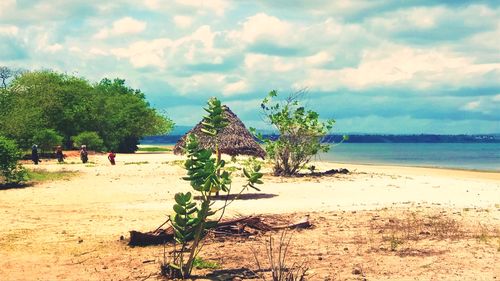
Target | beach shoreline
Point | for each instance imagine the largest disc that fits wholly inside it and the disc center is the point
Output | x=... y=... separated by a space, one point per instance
x=71 y=228
x=371 y=162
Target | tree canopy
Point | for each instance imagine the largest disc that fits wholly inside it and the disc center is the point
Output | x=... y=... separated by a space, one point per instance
x=70 y=105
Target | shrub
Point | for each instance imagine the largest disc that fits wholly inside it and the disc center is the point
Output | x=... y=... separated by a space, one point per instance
x=47 y=139
x=11 y=171
x=300 y=133
x=91 y=139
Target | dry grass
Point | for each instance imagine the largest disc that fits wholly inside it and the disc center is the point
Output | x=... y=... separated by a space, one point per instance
x=278 y=264
x=406 y=234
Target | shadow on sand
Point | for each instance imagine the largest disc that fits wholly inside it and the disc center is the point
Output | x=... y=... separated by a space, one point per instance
x=230 y=274
x=15 y=186
x=243 y=196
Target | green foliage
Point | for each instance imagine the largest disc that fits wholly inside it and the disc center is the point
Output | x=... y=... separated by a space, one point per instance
x=90 y=139
x=47 y=139
x=253 y=176
x=200 y=263
x=136 y=163
x=203 y=171
x=11 y=171
x=207 y=175
x=300 y=133
x=185 y=218
x=215 y=121
x=123 y=116
x=40 y=175
x=71 y=105
x=154 y=149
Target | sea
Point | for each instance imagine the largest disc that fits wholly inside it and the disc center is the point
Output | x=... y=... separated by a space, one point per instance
x=468 y=156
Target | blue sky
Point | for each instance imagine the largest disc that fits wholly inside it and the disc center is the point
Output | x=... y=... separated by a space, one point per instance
x=374 y=66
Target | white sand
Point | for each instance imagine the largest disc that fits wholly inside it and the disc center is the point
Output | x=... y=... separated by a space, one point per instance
x=70 y=229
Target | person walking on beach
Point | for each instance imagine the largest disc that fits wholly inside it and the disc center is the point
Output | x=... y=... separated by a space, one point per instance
x=84 y=155
x=34 y=154
x=59 y=154
x=111 y=157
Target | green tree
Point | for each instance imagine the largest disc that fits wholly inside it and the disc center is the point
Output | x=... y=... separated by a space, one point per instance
x=124 y=116
x=90 y=139
x=47 y=139
x=71 y=105
x=207 y=176
x=300 y=133
x=10 y=170
x=47 y=99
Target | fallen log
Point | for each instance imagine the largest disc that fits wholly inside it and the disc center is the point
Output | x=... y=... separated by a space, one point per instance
x=244 y=226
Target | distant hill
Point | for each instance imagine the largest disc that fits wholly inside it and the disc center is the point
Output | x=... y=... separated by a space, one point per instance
x=357 y=138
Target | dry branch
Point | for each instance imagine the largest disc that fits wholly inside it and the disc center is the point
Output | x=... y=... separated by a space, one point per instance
x=243 y=226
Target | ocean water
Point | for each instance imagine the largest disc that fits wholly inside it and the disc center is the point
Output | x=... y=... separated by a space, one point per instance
x=470 y=156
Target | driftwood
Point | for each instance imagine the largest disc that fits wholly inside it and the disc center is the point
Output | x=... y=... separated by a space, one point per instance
x=325 y=173
x=243 y=226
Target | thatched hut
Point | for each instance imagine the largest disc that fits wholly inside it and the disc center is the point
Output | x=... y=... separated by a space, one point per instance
x=234 y=139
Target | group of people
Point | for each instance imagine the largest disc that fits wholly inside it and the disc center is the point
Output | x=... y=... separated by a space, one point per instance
x=84 y=155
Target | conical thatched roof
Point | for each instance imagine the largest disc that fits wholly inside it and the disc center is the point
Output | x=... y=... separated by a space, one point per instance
x=234 y=139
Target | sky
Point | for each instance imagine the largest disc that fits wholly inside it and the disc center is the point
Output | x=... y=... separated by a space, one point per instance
x=375 y=66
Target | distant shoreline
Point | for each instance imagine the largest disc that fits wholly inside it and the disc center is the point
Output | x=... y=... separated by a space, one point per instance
x=411 y=166
x=366 y=138
x=380 y=163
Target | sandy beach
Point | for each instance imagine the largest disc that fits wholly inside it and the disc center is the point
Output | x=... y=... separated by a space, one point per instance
x=70 y=229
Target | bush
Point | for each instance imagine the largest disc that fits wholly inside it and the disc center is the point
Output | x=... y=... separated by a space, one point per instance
x=300 y=133
x=91 y=139
x=47 y=139
x=11 y=171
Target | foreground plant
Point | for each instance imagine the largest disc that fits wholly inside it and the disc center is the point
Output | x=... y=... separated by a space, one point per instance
x=207 y=176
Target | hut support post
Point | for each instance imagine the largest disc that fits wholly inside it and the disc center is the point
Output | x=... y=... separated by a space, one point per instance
x=218 y=162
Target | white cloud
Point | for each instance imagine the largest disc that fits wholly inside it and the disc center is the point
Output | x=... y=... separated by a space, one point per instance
x=235 y=88
x=216 y=6
x=75 y=49
x=319 y=58
x=145 y=53
x=152 y=4
x=97 y=52
x=9 y=30
x=6 y=6
x=413 y=18
x=484 y=104
x=201 y=84
x=203 y=34
x=183 y=21
x=269 y=64
x=263 y=27
x=122 y=26
x=54 y=48
x=194 y=48
x=471 y=106
x=437 y=18
x=397 y=65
